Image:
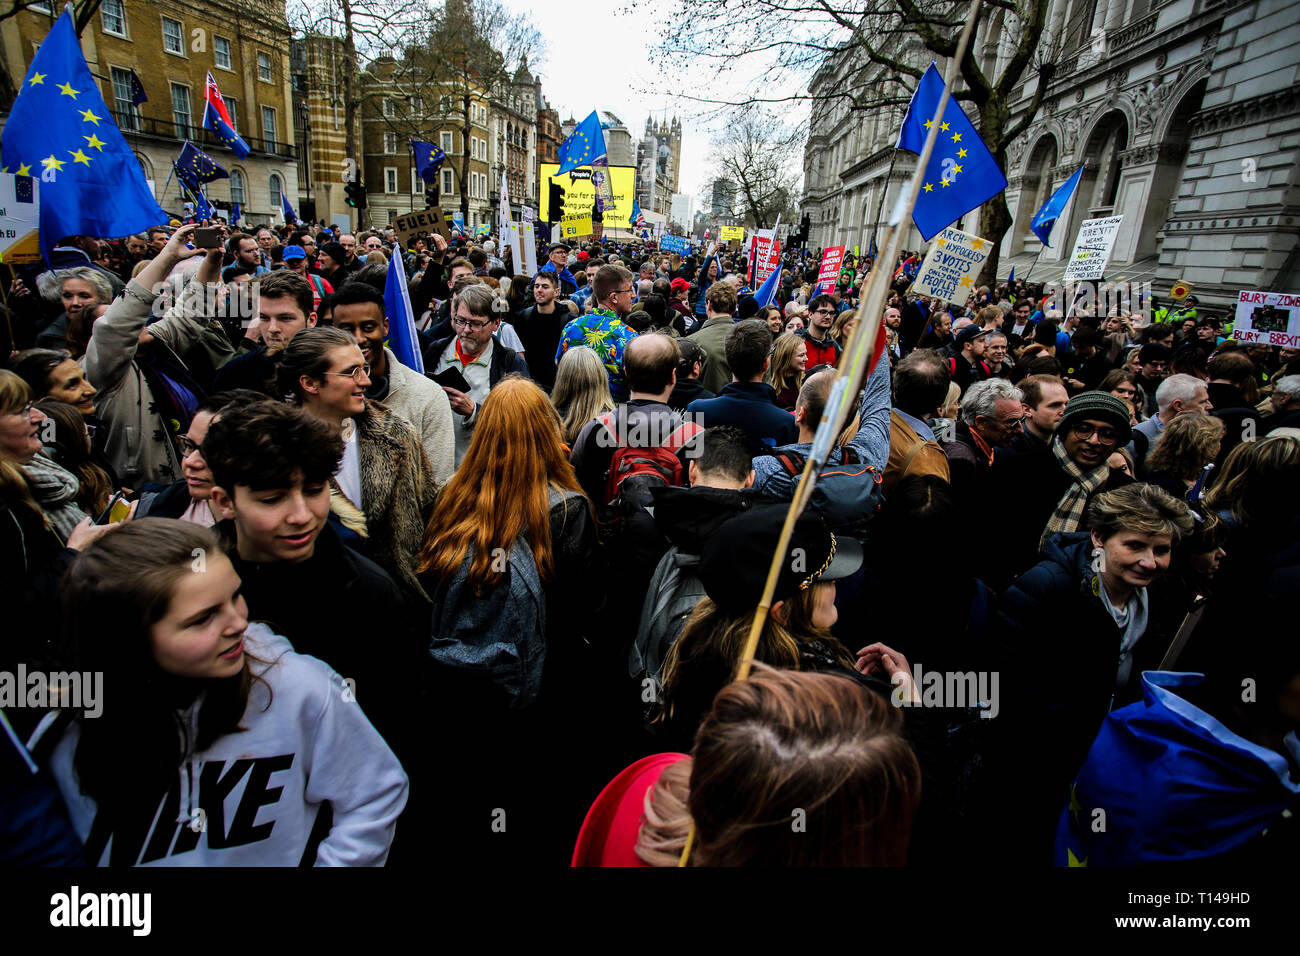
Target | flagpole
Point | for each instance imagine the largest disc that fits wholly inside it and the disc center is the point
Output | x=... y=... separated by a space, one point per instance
x=851 y=372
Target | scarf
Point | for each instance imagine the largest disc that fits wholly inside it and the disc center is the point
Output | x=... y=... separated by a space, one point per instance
x=1068 y=515
x=55 y=490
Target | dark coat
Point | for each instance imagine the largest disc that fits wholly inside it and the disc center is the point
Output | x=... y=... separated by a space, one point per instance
x=687 y=390
x=505 y=360
x=750 y=406
x=540 y=334
x=254 y=370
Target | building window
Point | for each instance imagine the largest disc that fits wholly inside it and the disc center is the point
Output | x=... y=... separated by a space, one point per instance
x=172 y=40
x=221 y=52
x=473 y=147
x=448 y=183
x=417 y=106
x=128 y=116
x=268 y=127
x=390 y=179
x=113 y=15
x=417 y=184
x=390 y=143
x=40 y=6
x=444 y=105
x=388 y=106
x=444 y=140
x=181 y=110
x=236 y=186
x=234 y=113
x=276 y=191
x=264 y=67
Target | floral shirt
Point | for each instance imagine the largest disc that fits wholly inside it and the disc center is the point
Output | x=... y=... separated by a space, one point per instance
x=604 y=333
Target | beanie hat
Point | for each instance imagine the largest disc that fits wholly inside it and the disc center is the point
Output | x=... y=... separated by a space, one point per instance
x=1100 y=406
x=335 y=251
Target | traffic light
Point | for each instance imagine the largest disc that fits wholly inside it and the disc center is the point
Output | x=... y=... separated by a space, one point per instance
x=556 y=202
x=356 y=195
x=431 y=196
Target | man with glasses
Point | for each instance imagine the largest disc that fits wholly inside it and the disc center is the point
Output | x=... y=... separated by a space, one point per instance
x=992 y=416
x=475 y=352
x=1053 y=481
x=822 y=349
x=603 y=330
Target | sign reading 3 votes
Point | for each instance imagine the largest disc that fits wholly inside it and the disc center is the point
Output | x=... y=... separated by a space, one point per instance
x=952 y=267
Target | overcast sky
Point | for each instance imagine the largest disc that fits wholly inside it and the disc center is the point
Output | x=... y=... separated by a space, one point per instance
x=624 y=75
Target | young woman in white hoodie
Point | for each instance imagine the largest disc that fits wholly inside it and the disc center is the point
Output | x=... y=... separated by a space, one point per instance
x=217 y=744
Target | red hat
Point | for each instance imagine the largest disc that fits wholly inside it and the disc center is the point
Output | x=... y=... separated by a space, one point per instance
x=582 y=255
x=609 y=834
x=679 y=284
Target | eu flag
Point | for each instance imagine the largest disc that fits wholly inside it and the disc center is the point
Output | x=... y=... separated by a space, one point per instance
x=236 y=213
x=584 y=147
x=428 y=159
x=1176 y=784
x=195 y=166
x=1046 y=217
x=289 y=215
x=194 y=194
x=216 y=119
x=138 y=95
x=60 y=129
x=962 y=173
x=402 y=338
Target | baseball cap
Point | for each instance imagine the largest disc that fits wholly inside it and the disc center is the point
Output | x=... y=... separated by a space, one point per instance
x=969 y=333
x=293 y=252
x=678 y=284
x=733 y=566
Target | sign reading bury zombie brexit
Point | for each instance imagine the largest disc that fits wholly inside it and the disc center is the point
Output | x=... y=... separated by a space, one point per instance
x=1271 y=318
x=1092 y=249
x=832 y=259
x=952 y=267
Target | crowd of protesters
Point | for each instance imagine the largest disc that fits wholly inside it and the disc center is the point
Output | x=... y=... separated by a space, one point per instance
x=347 y=613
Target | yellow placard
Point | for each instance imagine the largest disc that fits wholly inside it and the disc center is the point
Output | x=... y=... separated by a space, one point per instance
x=580 y=194
x=576 y=226
x=731 y=233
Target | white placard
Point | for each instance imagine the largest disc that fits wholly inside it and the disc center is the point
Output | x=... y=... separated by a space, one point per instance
x=20 y=219
x=952 y=266
x=529 y=241
x=1092 y=249
x=1269 y=318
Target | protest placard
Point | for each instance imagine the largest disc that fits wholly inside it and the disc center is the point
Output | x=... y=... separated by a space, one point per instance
x=732 y=233
x=832 y=259
x=1092 y=249
x=576 y=226
x=19 y=219
x=952 y=266
x=529 y=240
x=677 y=244
x=1270 y=318
x=420 y=223
x=527 y=213
x=767 y=256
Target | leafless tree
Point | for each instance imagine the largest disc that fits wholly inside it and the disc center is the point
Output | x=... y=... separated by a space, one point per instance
x=756 y=153
x=882 y=48
x=83 y=11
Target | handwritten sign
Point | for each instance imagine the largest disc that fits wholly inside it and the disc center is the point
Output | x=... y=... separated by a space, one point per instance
x=1270 y=318
x=1092 y=249
x=952 y=266
x=576 y=226
x=420 y=223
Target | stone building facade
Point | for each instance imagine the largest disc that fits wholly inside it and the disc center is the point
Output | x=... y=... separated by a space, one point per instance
x=316 y=63
x=513 y=142
x=244 y=44
x=659 y=162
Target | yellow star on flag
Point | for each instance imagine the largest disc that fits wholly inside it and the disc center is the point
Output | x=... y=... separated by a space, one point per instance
x=67 y=90
x=966 y=281
x=79 y=157
x=1075 y=805
x=956 y=168
x=50 y=162
x=87 y=116
x=977 y=244
x=95 y=142
x=943 y=183
x=961 y=153
x=929 y=123
x=943 y=127
x=38 y=79
x=1072 y=860
x=24 y=169
x=956 y=137
x=929 y=188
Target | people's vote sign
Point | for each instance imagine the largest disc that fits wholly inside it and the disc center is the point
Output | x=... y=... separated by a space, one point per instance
x=832 y=259
x=1269 y=318
x=1092 y=249
x=952 y=266
x=678 y=244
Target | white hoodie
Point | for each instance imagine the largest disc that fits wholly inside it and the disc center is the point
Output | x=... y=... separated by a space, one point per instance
x=252 y=798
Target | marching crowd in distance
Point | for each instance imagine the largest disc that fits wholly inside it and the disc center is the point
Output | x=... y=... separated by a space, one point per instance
x=347 y=612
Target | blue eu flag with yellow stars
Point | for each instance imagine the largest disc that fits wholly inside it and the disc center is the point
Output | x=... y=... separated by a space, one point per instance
x=60 y=130
x=195 y=166
x=428 y=159
x=962 y=174
x=584 y=147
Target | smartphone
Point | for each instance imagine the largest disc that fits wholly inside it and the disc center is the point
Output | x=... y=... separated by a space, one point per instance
x=207 y=238
x=452 y=378
x=118 y=509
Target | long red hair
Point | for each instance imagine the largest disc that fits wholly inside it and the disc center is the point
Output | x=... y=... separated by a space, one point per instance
x=501 y=487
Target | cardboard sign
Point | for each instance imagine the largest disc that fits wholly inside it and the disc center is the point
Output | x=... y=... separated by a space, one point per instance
x=20 y=219
x=1270 y=318
x=415 y=224
x=527 y=213
x=1092 y=249
x=731 y=233
x=576 y=226
x=529 y=240
x=952 y=266
x=832 y=259
x=678 y=244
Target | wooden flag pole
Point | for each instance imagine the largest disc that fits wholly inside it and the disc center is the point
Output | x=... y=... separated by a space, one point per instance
x=851 y=372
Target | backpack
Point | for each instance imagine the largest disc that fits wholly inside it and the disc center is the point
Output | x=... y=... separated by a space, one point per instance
x=847 y=493
x=633 y=471
x=674 y=592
